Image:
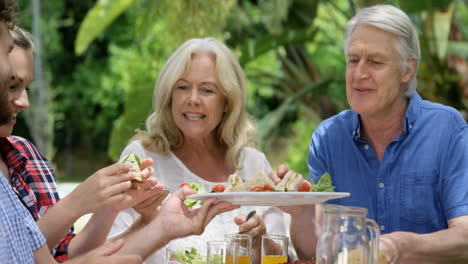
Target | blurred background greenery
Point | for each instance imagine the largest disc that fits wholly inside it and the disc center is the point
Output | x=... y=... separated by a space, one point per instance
x=100 y=60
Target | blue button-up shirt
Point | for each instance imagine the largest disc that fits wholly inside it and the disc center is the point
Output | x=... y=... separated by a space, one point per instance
x=19 y=234
x=422 y=180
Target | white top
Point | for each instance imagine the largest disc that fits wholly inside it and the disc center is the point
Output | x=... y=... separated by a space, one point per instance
x=171 y=172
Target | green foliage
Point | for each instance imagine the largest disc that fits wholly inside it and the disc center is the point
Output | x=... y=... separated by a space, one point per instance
x=252 y=48
x=83 y=108
x=296 y=155
x=271 y=121
x=459 y=48
x=275 y=14
x=194 y=18
x=199 y=18
x=422 y=5
x=138 y=82
x=97 y=20
x=461 y=18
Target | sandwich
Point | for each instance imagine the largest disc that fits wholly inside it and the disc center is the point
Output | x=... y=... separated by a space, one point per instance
x=259 y=182
x=290 y=182
x=233 y=181
x=134 y=162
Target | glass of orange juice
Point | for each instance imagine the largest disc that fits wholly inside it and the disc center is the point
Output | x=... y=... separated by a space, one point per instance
x=245 y=246
x=274 y=249
x=222 y=252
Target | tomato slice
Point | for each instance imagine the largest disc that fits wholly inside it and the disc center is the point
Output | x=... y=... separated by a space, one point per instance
x=305 y=186
x=218 y=188
x=184 y=184
x=267 y=187
x=256 y=189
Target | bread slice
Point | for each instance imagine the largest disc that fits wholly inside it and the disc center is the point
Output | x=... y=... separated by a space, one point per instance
x=290 y=182
x=258 y=180
x=233 y=181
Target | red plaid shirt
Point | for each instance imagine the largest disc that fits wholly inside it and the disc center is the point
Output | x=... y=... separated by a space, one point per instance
x=32 y=177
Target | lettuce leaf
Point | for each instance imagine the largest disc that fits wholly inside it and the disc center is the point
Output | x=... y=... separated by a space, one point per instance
x=197 y=187
x=188 y=257
x=323 y=185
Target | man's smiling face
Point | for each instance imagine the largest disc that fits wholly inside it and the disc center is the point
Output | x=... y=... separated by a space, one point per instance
x=6 y=45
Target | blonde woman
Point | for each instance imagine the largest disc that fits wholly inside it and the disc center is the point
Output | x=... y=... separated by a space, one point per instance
x=199 y=131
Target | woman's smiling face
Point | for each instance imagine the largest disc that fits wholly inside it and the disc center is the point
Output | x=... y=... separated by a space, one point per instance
x=197 y=102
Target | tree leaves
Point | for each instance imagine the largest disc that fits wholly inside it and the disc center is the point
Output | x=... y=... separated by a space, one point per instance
x=97 y=20
x=414 y=6
x=253 y=48
x=272 y=120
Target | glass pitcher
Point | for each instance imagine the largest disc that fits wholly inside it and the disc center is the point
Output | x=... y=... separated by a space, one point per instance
x=344 y=239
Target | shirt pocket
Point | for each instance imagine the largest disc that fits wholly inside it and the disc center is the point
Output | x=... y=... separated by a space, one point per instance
x=419 y=197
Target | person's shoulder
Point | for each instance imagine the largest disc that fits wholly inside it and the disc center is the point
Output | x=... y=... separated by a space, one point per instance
x=137 y=147
x=23 y=145
x=442 y=112
x=338 y=122
x=20 y=140
x=250 y=152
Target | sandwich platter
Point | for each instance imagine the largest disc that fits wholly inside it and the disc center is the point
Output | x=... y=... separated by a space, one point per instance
x=260 y=190
x=270 y=198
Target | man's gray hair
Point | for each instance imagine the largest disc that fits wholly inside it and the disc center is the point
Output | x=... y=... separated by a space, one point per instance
x=394 y=20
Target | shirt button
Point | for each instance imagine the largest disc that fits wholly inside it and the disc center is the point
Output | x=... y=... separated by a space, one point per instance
x=366 y=147
x=381 y=185
x=382 y=228
x=410 y=126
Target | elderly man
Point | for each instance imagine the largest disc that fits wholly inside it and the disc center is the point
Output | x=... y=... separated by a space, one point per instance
x=402 y=158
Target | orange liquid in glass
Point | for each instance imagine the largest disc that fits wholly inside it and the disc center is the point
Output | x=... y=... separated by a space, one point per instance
x=229 y=260
x=244 y=260
x=274 y=259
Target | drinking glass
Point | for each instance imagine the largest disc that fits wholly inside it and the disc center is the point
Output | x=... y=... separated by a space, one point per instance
x=274 y=249
x=245 y=246
x=176 y=256
x=222 y=252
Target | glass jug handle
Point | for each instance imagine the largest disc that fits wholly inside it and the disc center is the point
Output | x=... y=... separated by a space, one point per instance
x=374 y=232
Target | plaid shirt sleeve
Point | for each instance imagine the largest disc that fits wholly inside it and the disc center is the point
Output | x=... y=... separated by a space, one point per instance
x=33 y=181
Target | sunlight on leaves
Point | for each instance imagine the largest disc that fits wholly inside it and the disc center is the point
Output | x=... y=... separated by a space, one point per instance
x=97 y=20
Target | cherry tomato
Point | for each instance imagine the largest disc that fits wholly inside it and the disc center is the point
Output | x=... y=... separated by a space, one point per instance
x=256 y=189
x=184 y=184
x=218 y=188
x=305 y=186
x=267 y=187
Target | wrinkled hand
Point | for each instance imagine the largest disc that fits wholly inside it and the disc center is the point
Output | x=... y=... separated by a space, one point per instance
x=104 y=255
x=254 y=227
x=110 y=188
x=148 y=209
x=180 y=221
x=389 y=247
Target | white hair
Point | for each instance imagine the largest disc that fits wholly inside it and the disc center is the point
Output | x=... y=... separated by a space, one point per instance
x=394 y=20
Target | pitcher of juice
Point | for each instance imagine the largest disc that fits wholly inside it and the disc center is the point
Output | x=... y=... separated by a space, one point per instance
x=345 y=238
